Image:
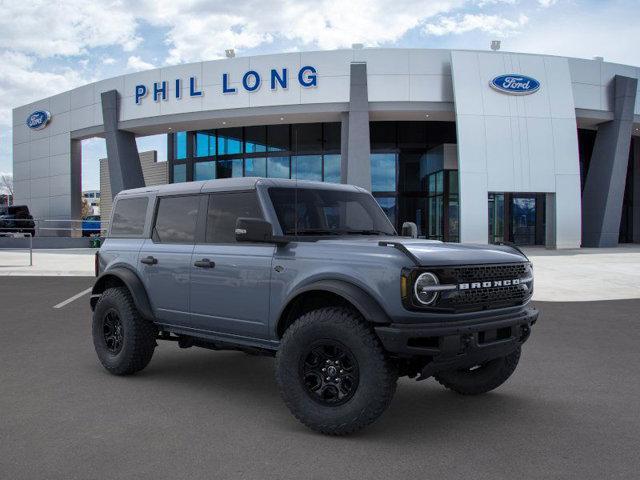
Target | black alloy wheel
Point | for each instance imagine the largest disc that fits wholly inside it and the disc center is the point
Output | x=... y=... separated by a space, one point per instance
x=112 y=331
x=329 y=372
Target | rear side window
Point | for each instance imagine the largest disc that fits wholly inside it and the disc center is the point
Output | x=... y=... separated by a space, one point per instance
x=128 y=217
x=224 y=209
x=176 y=219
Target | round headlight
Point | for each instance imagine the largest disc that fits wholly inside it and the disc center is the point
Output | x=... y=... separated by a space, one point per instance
x=421 y=290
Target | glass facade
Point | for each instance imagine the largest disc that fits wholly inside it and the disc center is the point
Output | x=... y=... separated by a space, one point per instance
x=410 y=179
x=309 y=151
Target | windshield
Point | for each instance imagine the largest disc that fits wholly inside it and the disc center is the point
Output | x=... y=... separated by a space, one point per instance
x=328 y=212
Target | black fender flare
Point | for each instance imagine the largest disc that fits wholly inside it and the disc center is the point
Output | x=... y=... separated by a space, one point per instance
x=368 y=307
x=132 y=282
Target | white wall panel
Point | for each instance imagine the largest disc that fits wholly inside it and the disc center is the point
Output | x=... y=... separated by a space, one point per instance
x=39 y=188
x=39 y=168
x=384 y=61
x=81 y=97
x=82 y=117
x=60 y=103
x=115 y=83
x=329 y=64
x=59 y=144
x=587 y=96
x=585 y=71
x=334 y=89
x=21 y=152
x=39 y=148
x=388 y=88
x=39 y=207
x=59 y=165
x=430 y=88
x=429 y=62
x=212 y=71
x=20 y=133
x=514 y=137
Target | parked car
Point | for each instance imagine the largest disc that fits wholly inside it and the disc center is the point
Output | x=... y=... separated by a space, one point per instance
x=17 y=219
x=91 y=225
x=315 y=275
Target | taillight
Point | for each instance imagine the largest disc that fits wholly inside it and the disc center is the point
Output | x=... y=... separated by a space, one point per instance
x=96 y=263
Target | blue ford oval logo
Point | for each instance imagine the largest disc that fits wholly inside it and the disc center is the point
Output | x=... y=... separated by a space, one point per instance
x=515 y=84
x=38 y=119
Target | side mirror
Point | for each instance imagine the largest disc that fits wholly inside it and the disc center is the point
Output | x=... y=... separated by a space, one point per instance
x=409 y=229
x=253 y=230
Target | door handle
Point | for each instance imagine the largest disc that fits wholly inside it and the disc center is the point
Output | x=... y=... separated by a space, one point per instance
x=204 y=263
x=149 y=260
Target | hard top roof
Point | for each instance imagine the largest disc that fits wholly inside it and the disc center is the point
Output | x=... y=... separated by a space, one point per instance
x=233 y=184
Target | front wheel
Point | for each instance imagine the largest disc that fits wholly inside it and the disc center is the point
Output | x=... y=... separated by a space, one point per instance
x=480 y=378
x=333 y=373
x=124 y=341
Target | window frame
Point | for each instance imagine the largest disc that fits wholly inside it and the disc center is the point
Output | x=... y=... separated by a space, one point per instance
x=156 y=209
x=208 y=196
x=142 y=235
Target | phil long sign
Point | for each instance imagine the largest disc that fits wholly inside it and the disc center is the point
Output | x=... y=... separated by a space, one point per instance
x=250 y=81
x=515 y=84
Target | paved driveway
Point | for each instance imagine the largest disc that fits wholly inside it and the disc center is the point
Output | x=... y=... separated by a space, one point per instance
x=570 y=411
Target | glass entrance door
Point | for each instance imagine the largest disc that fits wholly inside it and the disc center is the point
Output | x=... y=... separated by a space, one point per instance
x=517 y=218
x=523 y=220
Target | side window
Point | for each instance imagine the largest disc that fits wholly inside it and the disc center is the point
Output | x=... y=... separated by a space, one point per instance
x=224 y=209
x=128 y=217
x=176 y=219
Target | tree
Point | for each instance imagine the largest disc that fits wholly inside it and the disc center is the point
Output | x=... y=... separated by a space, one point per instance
x=86 y=208
x=6 y=186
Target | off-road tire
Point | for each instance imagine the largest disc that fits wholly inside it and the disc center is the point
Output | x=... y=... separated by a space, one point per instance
x=138 y=335
x=376 y=379
x=483 y=379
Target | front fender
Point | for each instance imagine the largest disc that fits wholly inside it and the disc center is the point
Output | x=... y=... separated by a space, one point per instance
x=133 y=283
x=361 y=300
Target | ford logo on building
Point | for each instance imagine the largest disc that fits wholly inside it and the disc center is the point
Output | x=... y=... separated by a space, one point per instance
x=38 y=119
x=515 y=84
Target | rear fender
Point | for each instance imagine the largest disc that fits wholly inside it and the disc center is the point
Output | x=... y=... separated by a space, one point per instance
x=126 y=276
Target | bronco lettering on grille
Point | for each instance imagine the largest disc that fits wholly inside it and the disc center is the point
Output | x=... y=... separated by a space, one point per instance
x=494 y=283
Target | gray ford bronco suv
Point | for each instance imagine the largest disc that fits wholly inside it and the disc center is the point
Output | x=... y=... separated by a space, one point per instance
x=315 y=275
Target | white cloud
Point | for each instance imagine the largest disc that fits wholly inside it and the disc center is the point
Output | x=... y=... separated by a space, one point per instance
x=21 y=83
x=45 y=28
x=200 y=31
x=547 y=3
x=135 y=63
x=491 y=24
x=108 y=61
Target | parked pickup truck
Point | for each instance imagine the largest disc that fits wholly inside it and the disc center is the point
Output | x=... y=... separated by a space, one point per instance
x=315 y=275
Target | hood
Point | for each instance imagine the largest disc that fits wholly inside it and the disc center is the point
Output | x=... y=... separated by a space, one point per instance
x=435 y=253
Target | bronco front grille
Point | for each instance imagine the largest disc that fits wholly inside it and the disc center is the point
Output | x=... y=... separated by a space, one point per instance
x=488 y=295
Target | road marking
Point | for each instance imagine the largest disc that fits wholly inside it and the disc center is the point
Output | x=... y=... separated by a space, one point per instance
x=75 y=297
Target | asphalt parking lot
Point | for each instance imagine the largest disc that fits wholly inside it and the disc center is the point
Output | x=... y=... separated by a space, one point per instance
x=571 y=410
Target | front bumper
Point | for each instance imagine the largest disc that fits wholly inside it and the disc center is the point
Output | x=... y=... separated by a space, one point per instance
x=458 y=344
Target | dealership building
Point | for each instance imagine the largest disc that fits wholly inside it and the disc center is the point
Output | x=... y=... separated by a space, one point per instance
x=472 y=146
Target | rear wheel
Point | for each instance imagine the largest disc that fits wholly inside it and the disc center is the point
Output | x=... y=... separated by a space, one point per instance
x=332 y=372
x=123 y=340
x=480 y=378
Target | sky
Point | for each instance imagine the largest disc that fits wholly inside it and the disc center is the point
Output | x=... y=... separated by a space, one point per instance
x=47 y=47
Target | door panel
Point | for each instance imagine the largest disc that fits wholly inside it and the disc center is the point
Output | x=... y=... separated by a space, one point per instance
x=230 y=286
x=232 y=296
x=165 y=259
x=167 y=281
